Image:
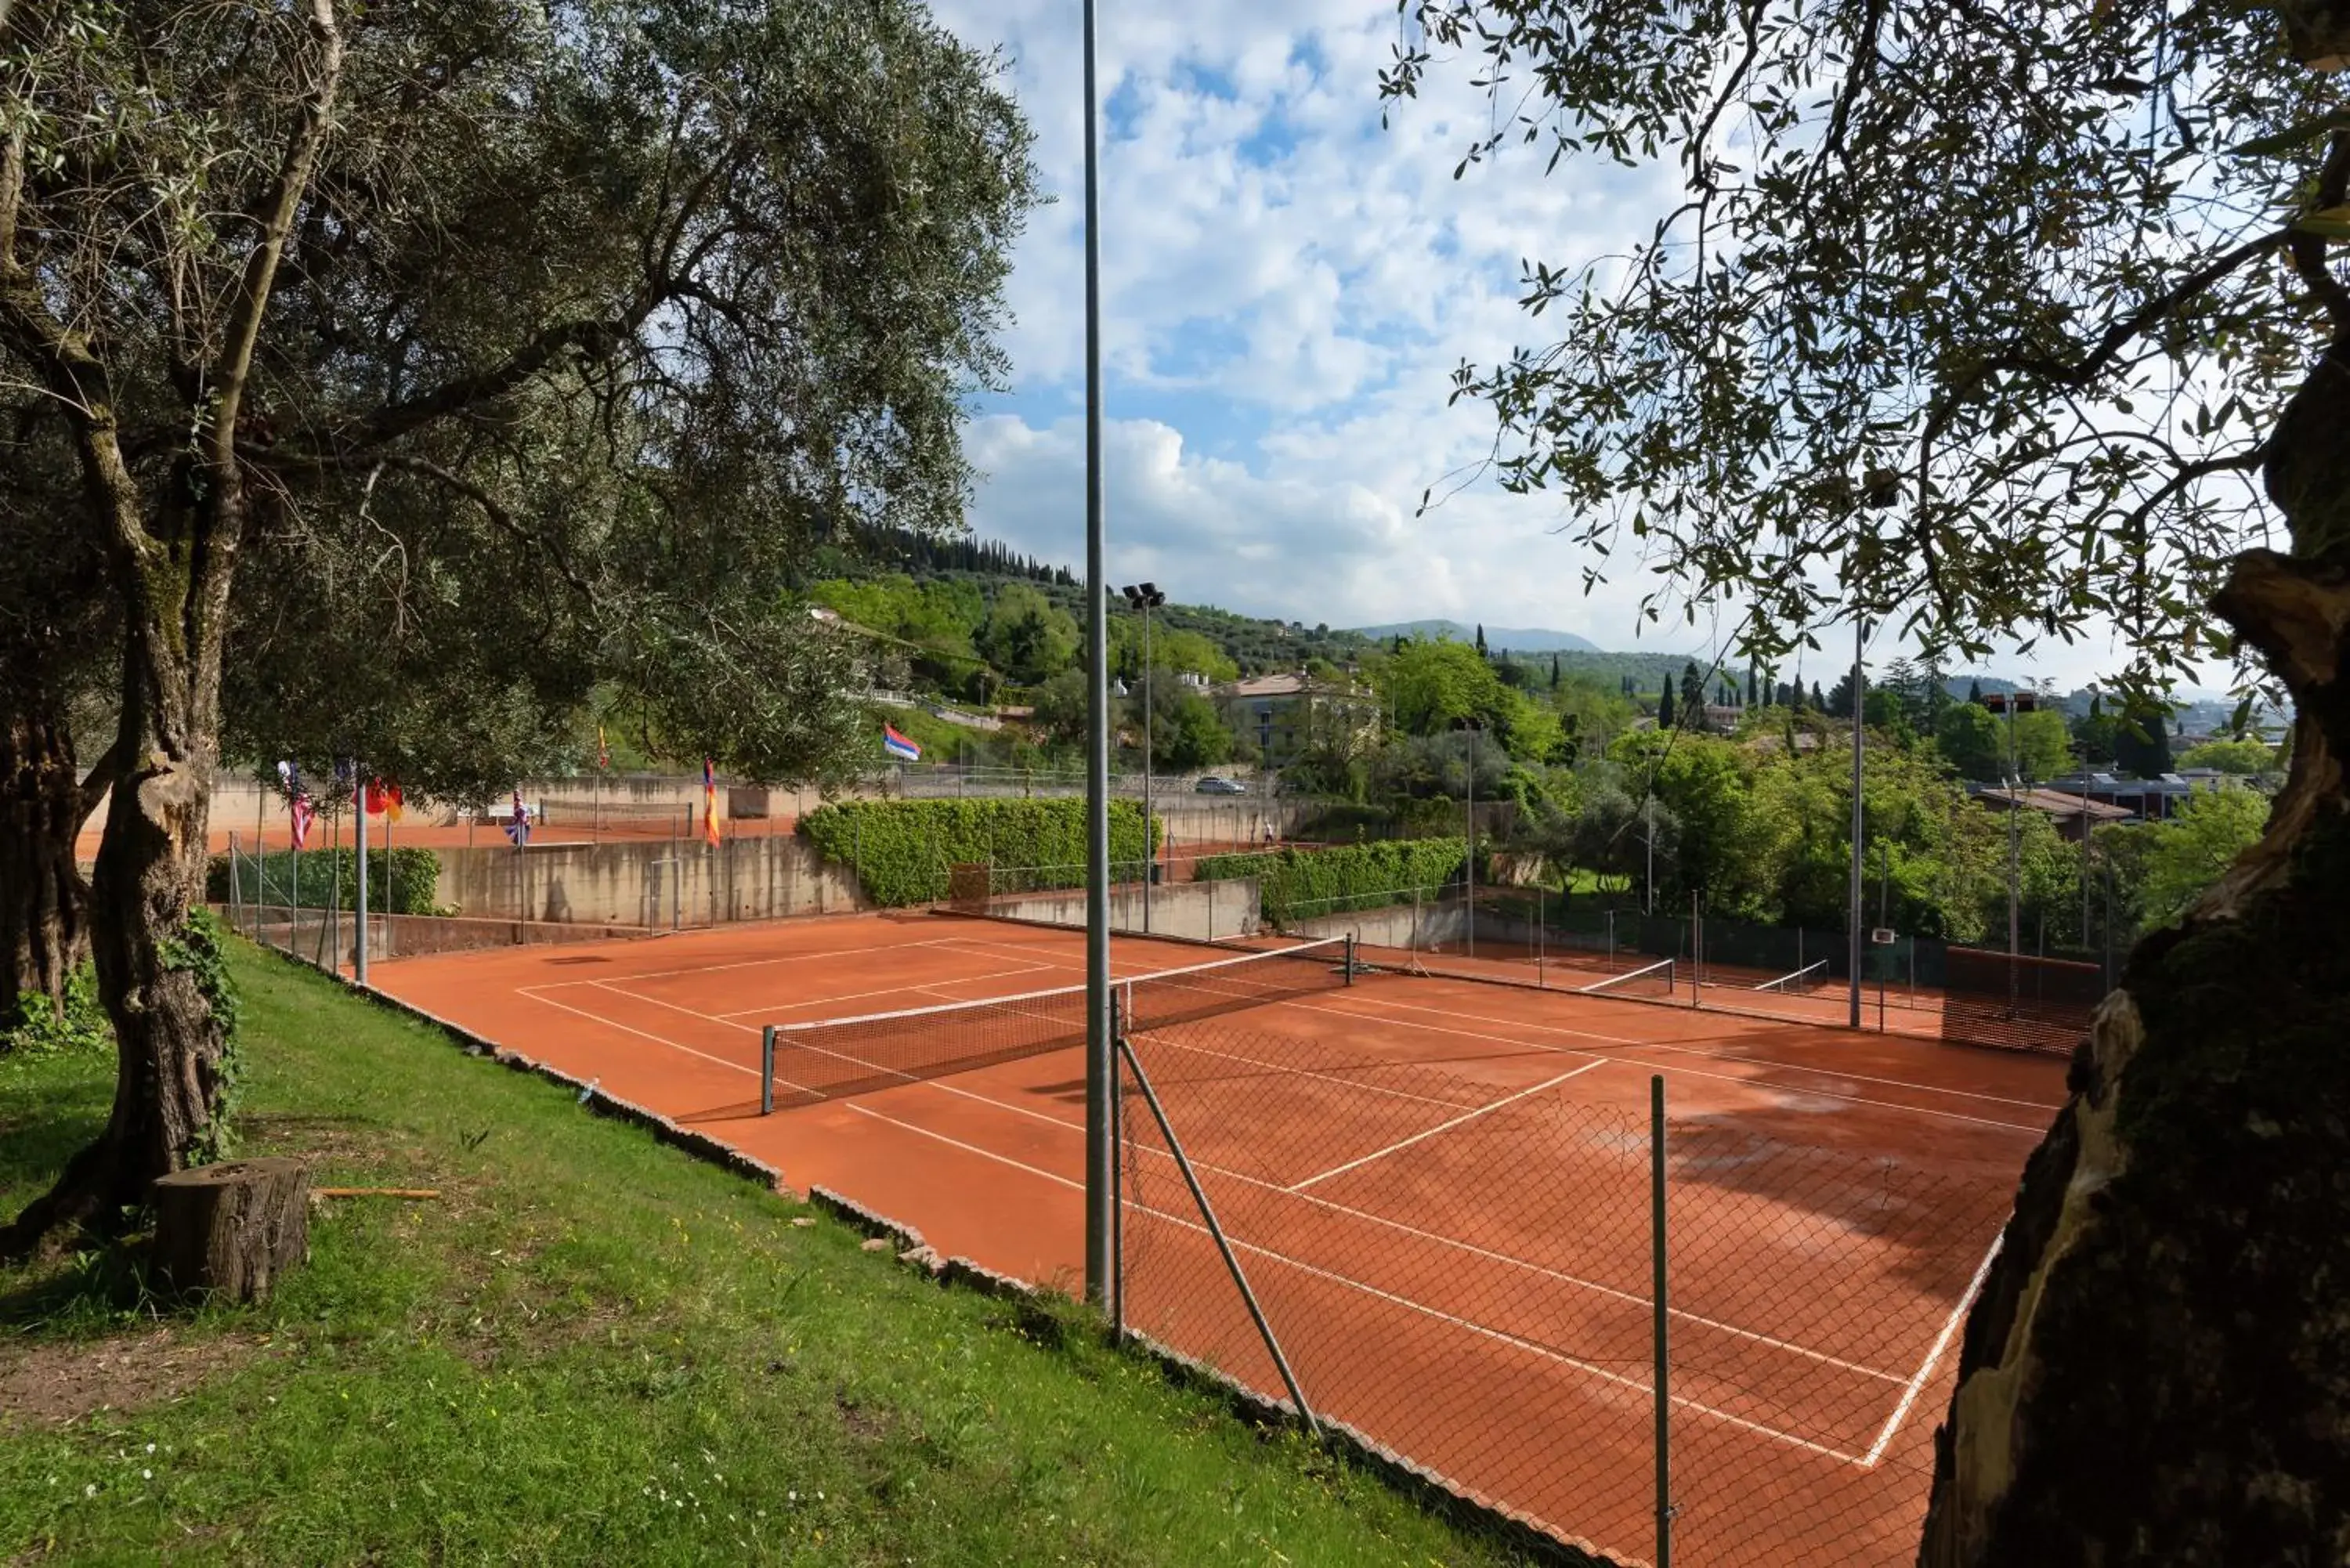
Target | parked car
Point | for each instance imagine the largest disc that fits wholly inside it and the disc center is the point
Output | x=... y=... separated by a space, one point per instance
x=1211 y=785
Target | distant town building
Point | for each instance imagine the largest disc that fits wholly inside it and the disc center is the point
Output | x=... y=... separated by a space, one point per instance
x=1287 y=714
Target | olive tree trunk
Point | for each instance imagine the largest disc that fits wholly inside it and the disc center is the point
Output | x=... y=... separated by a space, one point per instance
x=44 y=898
x=2158 y=1370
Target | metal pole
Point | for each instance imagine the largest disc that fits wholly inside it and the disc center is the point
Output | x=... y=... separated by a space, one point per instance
x=1149 y=853
x=1662 y=1320
x=767 y=1070
x=359 y=941
x=1648 y=888
x=1118 y=1016
x=1697 y=952
x=260 y=866
x=1471 y=881
x=1207 y=1212
x=1099 y=1044
x=1859 y=706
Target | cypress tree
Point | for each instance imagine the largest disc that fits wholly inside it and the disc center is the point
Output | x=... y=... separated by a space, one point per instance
x=1974 y=692
x=1665 y=705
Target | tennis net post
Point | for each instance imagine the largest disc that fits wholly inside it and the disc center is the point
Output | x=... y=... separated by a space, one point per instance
x=767 y=1070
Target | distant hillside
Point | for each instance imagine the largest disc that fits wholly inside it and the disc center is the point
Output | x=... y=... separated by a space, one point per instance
x=1256 y=645
x=1517 y=640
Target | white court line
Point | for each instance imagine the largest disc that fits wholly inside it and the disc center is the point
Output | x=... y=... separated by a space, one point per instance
x=1730 y=1055
x=639 y=1033
x=1686 y=1072
x=1471 y=1247
x=1502 y=1336
x=1446 y=1126
x=1309 y=1073
x=925 y=987
x=1454 y=1243
x=1637 y=1383
x=1941 y=1344
x=758 y=962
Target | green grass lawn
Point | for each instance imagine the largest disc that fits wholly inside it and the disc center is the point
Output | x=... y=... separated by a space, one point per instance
x=591 y=1349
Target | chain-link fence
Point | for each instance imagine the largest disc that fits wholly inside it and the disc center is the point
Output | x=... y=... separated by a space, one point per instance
x=1551 y=940
x=1460 y=1264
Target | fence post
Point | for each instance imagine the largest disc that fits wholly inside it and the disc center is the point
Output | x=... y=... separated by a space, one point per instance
x=1216 y=1230
x=1350 y=958
x=1696 y=954
x=767 y=1070
x=1541 y=894
x=1664 y=1480
x=1118 y=1008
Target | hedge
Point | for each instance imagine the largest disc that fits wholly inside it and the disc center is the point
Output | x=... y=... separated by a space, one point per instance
x=270 y=879
x=900 y=849
x=1304 y=883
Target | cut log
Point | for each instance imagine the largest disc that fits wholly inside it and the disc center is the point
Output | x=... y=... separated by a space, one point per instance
x=230 y=1230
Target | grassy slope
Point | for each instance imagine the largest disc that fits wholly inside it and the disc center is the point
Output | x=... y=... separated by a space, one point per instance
x=594 y=1349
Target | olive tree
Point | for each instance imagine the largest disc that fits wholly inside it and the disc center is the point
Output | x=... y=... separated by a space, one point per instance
x=2008 y=321
x=272 y=273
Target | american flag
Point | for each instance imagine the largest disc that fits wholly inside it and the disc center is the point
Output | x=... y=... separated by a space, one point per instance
x=518 y=825
x=302 y=814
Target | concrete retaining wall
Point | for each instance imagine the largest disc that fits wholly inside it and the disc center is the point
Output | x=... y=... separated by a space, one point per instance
x=1395 y=925
x=642 y=883
x=1201 y=911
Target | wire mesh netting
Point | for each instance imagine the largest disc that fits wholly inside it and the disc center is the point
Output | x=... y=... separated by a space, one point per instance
x=827 y=1059
x=1915 y=985
x=1455 y=1260
x=2018 y=1001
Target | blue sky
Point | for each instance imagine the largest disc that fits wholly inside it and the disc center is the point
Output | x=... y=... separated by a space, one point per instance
x=1287 y=288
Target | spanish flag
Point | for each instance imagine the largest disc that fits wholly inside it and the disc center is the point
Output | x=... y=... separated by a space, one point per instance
x=712 y=819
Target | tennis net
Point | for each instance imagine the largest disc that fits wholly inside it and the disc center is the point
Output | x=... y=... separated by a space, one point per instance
x=1803 y=980
x=1648 y=980
x=828 y=1059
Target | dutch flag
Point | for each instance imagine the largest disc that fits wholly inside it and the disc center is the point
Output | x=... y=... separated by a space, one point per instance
x=899 y=746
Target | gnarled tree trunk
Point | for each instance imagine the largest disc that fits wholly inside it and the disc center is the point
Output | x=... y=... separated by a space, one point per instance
x=2158 y=1371
x=44 y=898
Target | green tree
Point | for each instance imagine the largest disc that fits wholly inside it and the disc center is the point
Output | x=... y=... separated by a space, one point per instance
x=1063 y=704
x=1972 y=741
x=2192 y=850
x=1665 y=705
x=2142 y=739
x=2242 y=757
x=1025 y=636
x=2044 y=744
x=300 y=269
x=2093 y=734
x=1987 y=316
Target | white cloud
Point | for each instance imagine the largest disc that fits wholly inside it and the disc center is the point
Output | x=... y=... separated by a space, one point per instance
x=1287 y=287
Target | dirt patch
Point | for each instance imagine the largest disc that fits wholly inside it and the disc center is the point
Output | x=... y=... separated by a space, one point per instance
x=55 y=1384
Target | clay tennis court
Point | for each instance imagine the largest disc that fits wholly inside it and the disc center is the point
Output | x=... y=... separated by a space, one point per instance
x=1437 y=1188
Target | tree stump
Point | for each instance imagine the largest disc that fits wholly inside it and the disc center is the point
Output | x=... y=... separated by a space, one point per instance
x=230 y=1230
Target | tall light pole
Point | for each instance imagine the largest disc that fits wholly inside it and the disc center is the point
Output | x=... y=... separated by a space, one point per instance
x=1146 y=598
x=1100 y=1156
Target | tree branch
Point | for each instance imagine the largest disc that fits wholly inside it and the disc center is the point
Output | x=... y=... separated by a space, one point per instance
x=102 y=776
x=2080 y=373
x=2309 y=250
x=311 y=124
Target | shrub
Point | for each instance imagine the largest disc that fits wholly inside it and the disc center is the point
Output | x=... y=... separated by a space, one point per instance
x=1300 y=884
x=900 y=849
x=270 y=879
x=39 y=1030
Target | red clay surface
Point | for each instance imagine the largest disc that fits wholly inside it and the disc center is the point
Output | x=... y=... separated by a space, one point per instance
x=1439 y=1187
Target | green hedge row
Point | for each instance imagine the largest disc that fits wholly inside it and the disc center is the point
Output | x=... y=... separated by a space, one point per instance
x=325 y=873
x=1301 y=884
x=900 y=849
